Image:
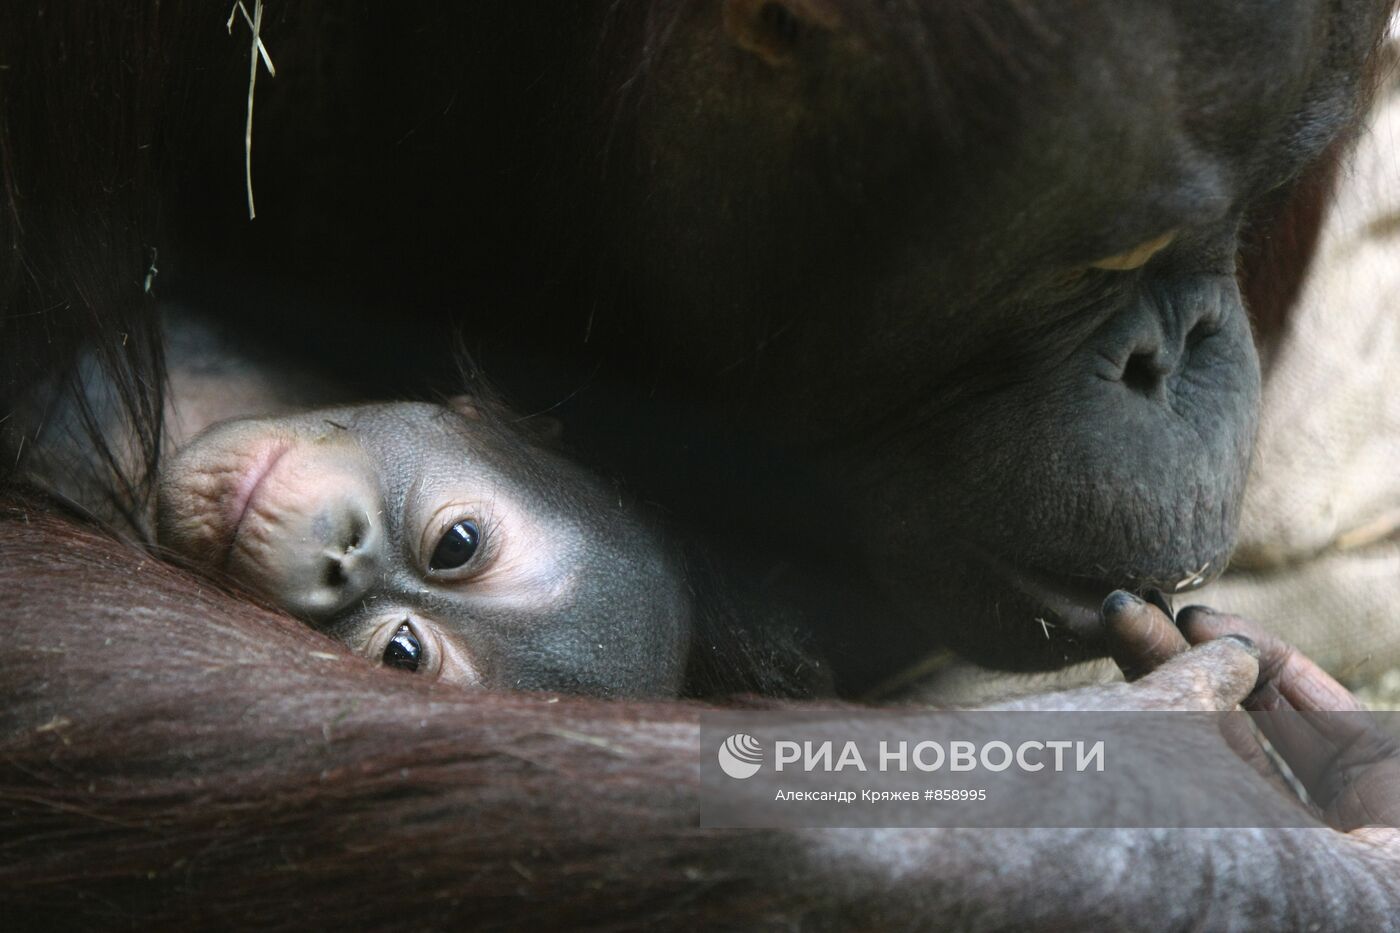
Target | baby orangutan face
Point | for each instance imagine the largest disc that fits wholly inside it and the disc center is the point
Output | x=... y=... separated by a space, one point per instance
x=437 y=541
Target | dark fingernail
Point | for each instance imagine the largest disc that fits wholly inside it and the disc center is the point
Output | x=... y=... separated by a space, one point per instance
x=1185 y=616
x=1246 y=643
x=1120 y=601
x=1159 y=599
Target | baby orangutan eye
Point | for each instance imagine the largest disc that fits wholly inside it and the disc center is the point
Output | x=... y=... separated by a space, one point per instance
x=405 y=650
x=456 y=547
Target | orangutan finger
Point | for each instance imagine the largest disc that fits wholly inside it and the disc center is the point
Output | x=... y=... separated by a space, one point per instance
x=1141 y=636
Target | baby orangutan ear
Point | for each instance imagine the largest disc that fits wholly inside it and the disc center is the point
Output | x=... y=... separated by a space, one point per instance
x=542 y=429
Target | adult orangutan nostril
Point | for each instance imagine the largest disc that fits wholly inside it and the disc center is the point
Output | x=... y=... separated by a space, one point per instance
x=1142 y=374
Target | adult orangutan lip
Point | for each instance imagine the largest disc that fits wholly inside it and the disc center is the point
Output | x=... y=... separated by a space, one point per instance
x=1074 y=602
x=247 y=487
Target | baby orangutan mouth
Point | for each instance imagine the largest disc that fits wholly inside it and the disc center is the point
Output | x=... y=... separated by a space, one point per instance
x=244 y=491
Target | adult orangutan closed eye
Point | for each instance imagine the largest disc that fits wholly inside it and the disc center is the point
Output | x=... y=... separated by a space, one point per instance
x=921 y=317
x=1006 y=327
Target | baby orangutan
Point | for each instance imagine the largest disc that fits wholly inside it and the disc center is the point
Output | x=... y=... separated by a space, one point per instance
x=437 y=539
x=444 y=539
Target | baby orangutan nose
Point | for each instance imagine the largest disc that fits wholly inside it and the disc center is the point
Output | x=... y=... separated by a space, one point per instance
x=311 y=536
x=331 y=556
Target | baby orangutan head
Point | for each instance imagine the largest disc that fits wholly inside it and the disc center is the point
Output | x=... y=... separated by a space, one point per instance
x=439 y=540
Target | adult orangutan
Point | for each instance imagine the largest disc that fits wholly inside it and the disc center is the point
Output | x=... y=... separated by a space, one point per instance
x=921 y=319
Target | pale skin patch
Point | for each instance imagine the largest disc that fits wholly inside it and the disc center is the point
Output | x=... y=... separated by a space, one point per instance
x=1137 y=257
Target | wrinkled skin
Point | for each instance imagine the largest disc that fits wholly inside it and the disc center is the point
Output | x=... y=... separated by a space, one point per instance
x=880 y=266
x=997 y=305
x=510 y=566
x=841 y=273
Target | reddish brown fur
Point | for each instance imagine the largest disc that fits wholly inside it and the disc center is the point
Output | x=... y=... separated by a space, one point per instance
x=173 y=757
x=223 y=764
x=1281 y=238
x=230 y=768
